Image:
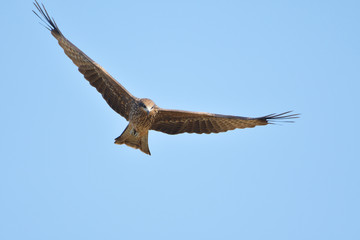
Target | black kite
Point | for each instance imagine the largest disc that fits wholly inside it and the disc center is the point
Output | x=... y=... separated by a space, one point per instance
x=142 y=113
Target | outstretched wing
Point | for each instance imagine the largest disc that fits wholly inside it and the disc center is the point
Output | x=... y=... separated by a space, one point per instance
x=176 y=121
x=113 y=92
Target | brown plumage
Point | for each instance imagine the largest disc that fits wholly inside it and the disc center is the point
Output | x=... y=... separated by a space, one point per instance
x=142 y=113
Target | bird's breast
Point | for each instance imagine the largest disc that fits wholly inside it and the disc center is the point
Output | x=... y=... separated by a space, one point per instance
x=140 y=120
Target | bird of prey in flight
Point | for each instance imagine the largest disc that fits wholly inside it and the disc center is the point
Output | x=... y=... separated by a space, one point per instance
x=142 y=113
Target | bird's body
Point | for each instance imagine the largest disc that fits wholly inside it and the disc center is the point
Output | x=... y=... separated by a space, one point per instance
x=142 y=113
x=142 y=116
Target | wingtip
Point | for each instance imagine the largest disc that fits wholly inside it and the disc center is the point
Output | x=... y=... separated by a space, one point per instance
x=281 y=117
x=45 y=18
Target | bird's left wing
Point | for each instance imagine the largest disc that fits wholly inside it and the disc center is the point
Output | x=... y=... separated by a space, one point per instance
x=118 y=98
x=176 y=121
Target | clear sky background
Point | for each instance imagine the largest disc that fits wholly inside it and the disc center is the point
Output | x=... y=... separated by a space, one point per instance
x=61 y=176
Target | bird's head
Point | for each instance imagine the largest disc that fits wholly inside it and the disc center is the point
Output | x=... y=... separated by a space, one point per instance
x=147 y=105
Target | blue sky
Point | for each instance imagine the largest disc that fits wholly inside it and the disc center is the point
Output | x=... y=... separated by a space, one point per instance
x=61 y=176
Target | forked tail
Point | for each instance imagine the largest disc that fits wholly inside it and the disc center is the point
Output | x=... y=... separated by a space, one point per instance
x=133 y=140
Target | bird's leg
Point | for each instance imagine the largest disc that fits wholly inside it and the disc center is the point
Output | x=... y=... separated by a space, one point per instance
x=134 y=132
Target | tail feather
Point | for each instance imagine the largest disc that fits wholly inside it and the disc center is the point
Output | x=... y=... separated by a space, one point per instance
x=137 y=142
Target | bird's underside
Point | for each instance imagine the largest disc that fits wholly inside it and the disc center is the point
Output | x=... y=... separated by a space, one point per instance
x=142 y=113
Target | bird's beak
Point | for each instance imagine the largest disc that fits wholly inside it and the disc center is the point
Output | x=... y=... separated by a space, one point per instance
x=147 y=111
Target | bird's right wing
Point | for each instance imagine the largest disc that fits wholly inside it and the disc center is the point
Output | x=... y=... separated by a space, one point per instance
x=118 y=98
x=177 y=121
